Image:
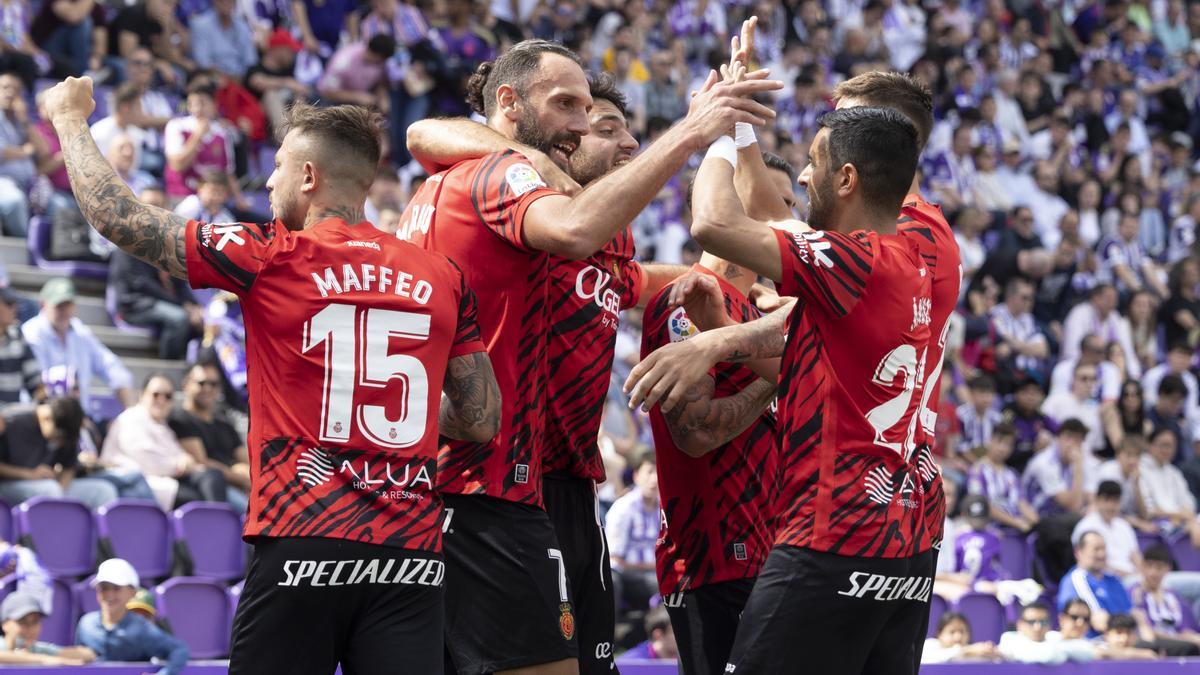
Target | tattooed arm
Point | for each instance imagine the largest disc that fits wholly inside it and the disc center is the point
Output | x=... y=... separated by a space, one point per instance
x=149 y=233
x=701 y=423
x=471 y=399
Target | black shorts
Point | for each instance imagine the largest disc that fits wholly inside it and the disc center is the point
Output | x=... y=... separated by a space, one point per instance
x=705 y=620
x=817 y=612
x=310 y=604
x=575 y=513
x=508 y=604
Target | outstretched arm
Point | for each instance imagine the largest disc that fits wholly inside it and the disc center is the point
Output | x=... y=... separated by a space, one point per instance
x=148 y=233
x=471 y=402
x=701 y=423
x=438 y=144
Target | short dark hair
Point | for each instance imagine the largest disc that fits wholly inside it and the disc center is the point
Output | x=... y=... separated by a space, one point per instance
x=158 y=375
x=981 y=383
x=1073 y=426
x=126 y=93
x=1108 y=489
x=1077 y=602
x=1172 y=385
x=1158 y=553
x=657 y=619
x=513 y=67
x=1121 y=622
x=1079 y=543
x=881 y=144
x=67 y=414
x=1029 y=384
x=347 y=134
x=778 y=163
x=950 y=617
x=902 y=92
x=1035 y=606
x=382 y=45
x=604 y=88
x=1159 y=431
x=646 y=457
x=1005 y=429
x=202 y=85
x=215 y=177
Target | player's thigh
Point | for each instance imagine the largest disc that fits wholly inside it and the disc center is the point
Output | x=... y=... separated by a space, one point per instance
x=283 y=629
x=705 y=621
x=898 y=646
x=400 y=631
x=795 y=620
x=508 y=603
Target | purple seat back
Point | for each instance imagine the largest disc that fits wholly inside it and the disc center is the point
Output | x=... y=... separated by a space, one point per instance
x=1186 y=555
x=937 y=607
x=38 y=242
x=235 y=596
x=138 y=531
x=62 y=533
x=1014 y=555
x=111 y=304
x=1145 y=540
x=85 y=597
x=59 y=627
x=985 y=615
x=212 y=533
x=199 y=612
x=6 y=522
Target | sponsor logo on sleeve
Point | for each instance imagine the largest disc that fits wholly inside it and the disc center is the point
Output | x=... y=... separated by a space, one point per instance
x=680 y=326
x=522 y=178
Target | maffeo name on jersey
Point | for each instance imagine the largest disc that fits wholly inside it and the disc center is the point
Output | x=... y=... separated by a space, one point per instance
x=366 y=277
x=316 y=573
x=885 y=588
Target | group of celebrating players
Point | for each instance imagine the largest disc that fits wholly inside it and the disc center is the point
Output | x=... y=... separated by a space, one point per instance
x=400 y=527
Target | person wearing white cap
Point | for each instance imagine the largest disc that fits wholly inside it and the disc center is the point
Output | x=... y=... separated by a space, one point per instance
x=116 y=634
x=22 y=614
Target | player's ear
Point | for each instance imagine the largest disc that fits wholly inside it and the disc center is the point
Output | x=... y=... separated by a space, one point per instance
x=507 y=100
x=845 y=180
x=310 y=179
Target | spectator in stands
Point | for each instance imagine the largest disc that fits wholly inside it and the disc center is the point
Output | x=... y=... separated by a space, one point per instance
x=661 y=643
x=222 y=40
x=1128 y=419
x=38 y=455
x=1047 y=206
x=20 y=148
x=1126 y=264
x=116 y=634
x=208 y=204
x=202 y=420
x=1089 y=581
x=1075 y=620
x=1108 y=387
x=1120 y=640
x=66 y=31
x=1034 y=431
x=1020 y=340
x=999 y=484
x=1178 y=363
x=1058 y=482
x=1161 y=609
x=1123 y=556
x=355 y=74
x=1098 y=316
x=154 y=113
x=122 y=156
x=321 y=23
x=1141 y=325
x=978 y=416
x=20 y=374
x=126 y=110
x=977 y=550
x=198 y=143
x=1030 y=643
x=632 y=528
x=1180 y=314
x=150 y=298
x=1125 y=470
x=22 y=615
x=140 y=438
x=1168 y=501
x=151 y=25
x=272 y=78
x=1078 y=404
x=666 y=95
x=953 y=643
x=1168 y=412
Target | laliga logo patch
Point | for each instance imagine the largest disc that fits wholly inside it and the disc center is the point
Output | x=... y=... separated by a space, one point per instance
x=522 y=178
x=566 y=622
x=680 y=326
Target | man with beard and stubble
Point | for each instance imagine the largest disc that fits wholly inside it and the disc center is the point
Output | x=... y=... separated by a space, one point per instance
x=509 y=604
x=352 y=338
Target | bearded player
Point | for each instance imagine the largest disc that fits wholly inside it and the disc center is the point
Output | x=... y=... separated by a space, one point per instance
x=349 y=332
x=508 y=600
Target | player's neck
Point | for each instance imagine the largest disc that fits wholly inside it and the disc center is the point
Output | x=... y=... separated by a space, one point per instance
x=737 y=276
x=915 y=188
x=350 y=214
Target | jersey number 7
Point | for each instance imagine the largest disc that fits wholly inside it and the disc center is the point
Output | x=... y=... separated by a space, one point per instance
x=361 y=348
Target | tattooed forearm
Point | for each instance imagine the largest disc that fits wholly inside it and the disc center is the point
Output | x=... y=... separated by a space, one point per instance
x=146 y=232
x=470 y=408
x=759 y=339
x=700 y=423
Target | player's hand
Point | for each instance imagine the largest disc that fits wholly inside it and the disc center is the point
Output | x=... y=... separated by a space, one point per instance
x=667 y=374
x=555 y=177
x=700 y=296
x=767 y=299
x=70 y=99
x=741 y=47
x=720 y=105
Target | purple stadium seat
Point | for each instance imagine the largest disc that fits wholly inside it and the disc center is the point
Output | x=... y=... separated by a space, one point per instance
x=199 y=612
x=1145 y=540
x=1014 y=554
x=1189 y=617
x=62 y=533
x=138 y=531
x=59 y=627
x=110 y=304
x=937 y=607
x=235 y=596
x=85 y=598
x=985 y=615
x=38 y=241
x=6 y=522
x=212 y=534
x=1186 y=555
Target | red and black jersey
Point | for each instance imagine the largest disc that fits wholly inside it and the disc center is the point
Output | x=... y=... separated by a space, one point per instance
x=715 y=508
x=348 y=334
x=924 y=223
x=585 y=299
x=473 y=213
x=848 y=413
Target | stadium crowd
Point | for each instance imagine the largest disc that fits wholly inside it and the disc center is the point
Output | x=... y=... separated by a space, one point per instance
x=1064 y=155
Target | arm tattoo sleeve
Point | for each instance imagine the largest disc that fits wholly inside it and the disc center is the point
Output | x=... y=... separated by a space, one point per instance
x=759 y=339
x=146 y=232
x=701 y=423
x=470 y=408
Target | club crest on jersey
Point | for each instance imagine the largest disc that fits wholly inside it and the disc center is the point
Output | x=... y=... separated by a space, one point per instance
x=522 y=178
x=680 y=325
x=566 y=621
x=521 y=474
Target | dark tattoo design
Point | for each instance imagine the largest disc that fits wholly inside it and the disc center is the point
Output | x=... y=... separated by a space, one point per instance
x=699 y=423
x=470 y=409
x=148 y=233
x=349 y=214
x=759 y=339
x=732 y=271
